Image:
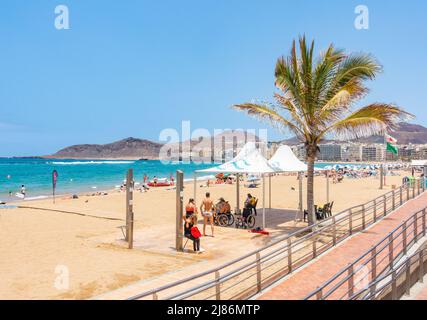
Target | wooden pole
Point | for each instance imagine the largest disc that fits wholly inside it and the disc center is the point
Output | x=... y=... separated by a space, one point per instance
x=195 y=188
x=238 y=193
x=269 y=191
x=327 y=186
x=300 y=206
x=179 y=210
x=263 y=201
x=129 y=208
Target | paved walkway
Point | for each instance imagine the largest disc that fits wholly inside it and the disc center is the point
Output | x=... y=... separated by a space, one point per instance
x=301 y=283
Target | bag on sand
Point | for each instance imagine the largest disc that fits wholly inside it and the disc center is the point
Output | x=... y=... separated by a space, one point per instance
x=195 y=232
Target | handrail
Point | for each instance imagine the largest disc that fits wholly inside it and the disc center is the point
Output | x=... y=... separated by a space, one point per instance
x=345 y=277
x=289 y=252
x=389 y=280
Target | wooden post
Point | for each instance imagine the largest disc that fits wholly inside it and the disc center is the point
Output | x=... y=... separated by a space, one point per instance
x=300 y=206
x=327 y=186
x=195 y=189
x=269 y=191
x=263 y=201
x=129 y=208
x=238 y=194
x=179 y=210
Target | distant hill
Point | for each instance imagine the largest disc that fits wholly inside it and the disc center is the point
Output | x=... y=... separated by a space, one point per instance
x=130 y=148
x=405 y=133
x=134 y=149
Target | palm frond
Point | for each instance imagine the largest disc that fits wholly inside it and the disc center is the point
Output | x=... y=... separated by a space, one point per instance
x=265 y=112
x=370 y=120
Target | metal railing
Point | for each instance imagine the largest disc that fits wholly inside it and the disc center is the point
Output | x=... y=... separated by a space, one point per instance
x=245 y=276
x=399 y=280
x=353 y=280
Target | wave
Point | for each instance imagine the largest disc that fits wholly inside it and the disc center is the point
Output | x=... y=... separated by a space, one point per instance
x=74 y=163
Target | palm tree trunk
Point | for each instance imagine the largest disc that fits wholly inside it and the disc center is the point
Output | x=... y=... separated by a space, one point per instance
x=311 y=157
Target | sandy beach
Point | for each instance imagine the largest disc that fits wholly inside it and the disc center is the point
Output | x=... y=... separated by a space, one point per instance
x=82 y=236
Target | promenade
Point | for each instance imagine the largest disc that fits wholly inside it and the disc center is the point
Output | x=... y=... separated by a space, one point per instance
x=301 y=283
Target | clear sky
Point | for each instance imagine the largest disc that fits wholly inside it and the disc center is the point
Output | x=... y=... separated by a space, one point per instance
x=136 y=67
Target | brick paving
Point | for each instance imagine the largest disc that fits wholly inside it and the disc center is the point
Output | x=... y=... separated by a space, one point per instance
x=303 y=282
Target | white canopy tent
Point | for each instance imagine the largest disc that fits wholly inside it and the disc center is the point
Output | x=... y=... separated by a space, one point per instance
x=248 y=161
x=285 y=160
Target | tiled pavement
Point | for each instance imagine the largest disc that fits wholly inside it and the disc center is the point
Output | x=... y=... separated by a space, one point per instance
x=304 y=281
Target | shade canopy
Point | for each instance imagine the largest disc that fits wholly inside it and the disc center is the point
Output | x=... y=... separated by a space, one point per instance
x=249 y=160
x=284 y=160
x=419 y=163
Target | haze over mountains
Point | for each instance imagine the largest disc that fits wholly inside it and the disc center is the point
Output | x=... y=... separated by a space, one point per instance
x=134 y=149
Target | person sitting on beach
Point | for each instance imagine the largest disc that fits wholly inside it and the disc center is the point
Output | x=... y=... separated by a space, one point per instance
x=189 y=222
x=155 y=181
x=207 y=209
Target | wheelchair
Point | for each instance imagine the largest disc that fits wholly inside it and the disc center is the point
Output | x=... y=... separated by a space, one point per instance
x=246 y=220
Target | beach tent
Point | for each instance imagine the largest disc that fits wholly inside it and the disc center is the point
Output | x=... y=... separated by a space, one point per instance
x=248 y=161
x=285 y=160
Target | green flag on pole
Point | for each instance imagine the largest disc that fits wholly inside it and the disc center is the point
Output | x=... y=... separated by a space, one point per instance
x=391 y=148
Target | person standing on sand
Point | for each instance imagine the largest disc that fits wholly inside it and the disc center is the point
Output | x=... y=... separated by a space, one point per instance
x=207 y=209
x=23 y=191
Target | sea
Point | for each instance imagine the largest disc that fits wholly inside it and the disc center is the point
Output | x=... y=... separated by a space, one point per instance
x=80 y=176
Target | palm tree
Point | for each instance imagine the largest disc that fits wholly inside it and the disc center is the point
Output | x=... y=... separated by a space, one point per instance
x=316 y=100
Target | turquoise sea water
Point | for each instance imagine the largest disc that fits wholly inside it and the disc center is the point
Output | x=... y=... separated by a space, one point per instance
x=80 y=175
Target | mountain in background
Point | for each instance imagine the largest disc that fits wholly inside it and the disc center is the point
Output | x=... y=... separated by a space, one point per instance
x=130 y=148
x=405 y=133
x=135 y=149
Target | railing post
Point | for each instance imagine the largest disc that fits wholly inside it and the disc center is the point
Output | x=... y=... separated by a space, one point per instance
x=217 y=286
x=375 y=210
x=350 y=280
x=385 y=205
x=374 y=263
x=416 y=227
x=408 y=277
x=424 y=222
x=350 y=221
x=413 y=189
x=314 y=248
x=401 y=195
x=421 y=267
x=334 y=231
x=258 y=271
x=393 y=286
x=390 y=250
x=319 y=294
x=394 y=201
x=289 y=255
x=405 y=242
x=363 y=217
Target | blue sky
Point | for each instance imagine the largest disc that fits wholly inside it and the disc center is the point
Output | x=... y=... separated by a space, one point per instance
x=135 y=67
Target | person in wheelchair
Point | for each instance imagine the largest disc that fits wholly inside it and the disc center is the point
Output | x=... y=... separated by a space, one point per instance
x=222 y=207
x=251 y=203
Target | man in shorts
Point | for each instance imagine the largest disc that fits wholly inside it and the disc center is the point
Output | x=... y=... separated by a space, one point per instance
x=207 y=210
